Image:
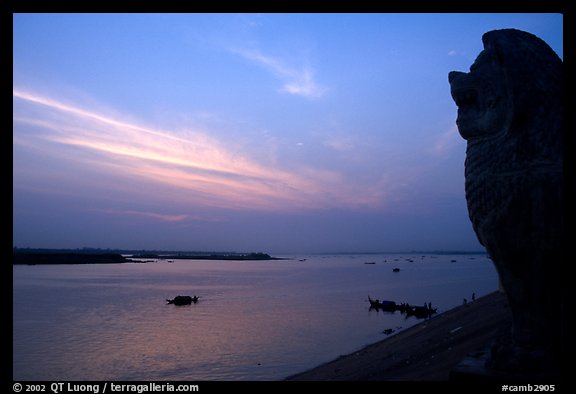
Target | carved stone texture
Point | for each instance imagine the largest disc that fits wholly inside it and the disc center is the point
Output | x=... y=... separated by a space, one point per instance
x=510 y=112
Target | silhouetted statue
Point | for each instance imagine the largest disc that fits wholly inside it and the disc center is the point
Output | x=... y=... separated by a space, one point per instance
x=510 y=112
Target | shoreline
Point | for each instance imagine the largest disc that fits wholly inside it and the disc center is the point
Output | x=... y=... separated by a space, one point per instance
x=53 y=258
x=424 y=352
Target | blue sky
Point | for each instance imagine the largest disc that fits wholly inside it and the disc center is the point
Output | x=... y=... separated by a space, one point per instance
x=284 y=133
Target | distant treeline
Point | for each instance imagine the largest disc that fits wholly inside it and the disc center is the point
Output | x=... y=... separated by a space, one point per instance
x=67 y=258
x=213 y=256
x=107 y=256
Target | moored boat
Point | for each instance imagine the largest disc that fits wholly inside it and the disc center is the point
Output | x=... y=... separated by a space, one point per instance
x=183 y=300
x=389 y=306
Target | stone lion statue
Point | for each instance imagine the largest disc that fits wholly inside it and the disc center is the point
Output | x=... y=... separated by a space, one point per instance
x=510 y=112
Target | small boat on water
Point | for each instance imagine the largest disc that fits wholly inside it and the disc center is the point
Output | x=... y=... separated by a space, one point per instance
x=420 y=312
x=389 y=306
x=183 y=300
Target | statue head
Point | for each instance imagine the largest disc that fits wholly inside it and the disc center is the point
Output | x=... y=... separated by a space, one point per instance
x=516 y=78
x=482 y=100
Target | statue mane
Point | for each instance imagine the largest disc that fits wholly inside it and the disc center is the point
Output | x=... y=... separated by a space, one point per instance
x=533 y=78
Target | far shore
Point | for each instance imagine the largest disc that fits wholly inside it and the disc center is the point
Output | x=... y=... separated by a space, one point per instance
x=68 y=258
x=427 y=351
x=46 y=258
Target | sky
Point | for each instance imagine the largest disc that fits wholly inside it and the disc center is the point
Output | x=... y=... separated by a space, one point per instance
x=278 y=133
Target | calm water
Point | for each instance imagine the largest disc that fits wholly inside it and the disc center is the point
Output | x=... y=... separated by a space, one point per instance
x=255 y=320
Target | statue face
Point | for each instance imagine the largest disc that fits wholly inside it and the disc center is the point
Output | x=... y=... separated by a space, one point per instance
x=482 y=104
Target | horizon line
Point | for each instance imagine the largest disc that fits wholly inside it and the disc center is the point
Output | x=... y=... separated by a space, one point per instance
x=87 y=249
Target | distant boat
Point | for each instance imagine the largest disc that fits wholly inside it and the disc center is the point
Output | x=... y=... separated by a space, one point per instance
x=302 y=260
x=183 y=300
x=369 y=262
x=389 y=306
x=420 y=312
x=396 y=270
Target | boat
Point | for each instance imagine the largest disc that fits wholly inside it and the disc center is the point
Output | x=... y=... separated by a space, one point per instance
x=389 y=306
x=420 y=312
x=183 y=300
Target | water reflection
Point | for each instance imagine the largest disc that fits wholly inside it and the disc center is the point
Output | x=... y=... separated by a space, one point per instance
x=254 y=320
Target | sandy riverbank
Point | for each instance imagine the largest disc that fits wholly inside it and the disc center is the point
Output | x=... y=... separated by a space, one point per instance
x=425 y=352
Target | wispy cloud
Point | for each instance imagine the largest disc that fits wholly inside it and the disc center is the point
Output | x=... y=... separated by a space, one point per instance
x=298 y=81
x=194 y=167
x=159 y=216
x=153 y=215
